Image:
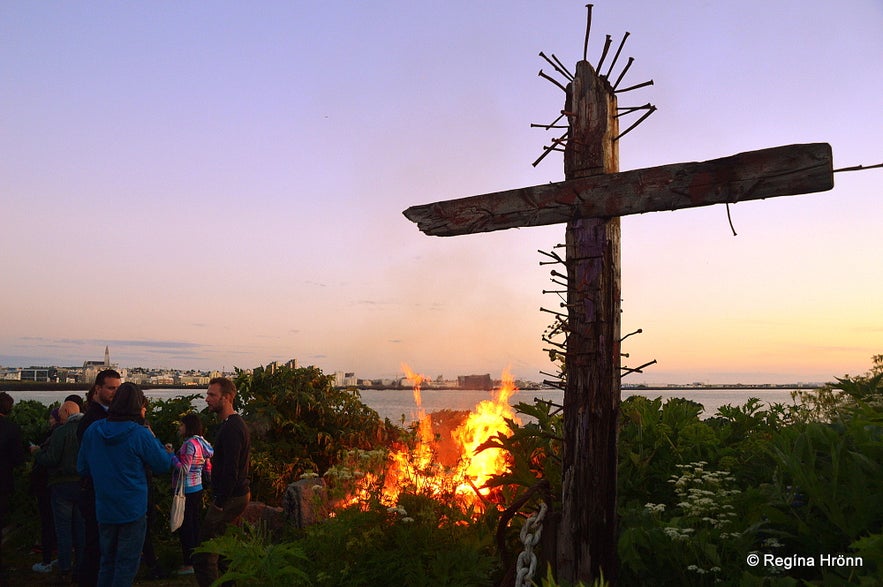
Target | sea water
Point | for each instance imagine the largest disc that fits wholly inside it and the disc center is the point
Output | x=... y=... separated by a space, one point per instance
x=399 y=405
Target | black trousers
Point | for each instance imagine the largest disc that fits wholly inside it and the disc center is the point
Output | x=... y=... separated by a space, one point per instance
x=208 y=567
x=189 y=532
x=88 y=573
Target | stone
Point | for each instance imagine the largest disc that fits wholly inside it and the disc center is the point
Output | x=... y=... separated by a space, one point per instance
x=303 y=500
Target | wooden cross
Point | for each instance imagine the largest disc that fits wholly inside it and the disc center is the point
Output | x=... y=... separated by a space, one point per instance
x=590 y=200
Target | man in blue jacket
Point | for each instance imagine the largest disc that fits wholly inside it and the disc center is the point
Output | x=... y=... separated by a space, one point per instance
x=115 y=453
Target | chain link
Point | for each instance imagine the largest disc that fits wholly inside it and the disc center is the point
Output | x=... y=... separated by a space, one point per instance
x=530 y=535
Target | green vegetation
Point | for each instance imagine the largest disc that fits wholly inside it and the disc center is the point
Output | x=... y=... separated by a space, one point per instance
x=299 y=422
x=696 y=497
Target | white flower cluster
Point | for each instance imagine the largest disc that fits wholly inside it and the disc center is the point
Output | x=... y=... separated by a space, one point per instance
x=654 y=508
x=400 y=511
x=678 y=534
x=700 y=571
x=772 y=543
x=705 y=494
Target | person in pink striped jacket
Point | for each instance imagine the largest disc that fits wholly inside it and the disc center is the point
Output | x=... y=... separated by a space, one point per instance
x=194 y=457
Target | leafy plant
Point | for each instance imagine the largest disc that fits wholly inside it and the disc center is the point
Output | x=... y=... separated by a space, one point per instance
x=743 y=434
x=535 y=449
x=828 y=486
x=299 y=422
x=252 y=559
x=421 y=542
x=654 y=437
x=549 y=581
x=700 y=538
x=833 y=400
x=32 y=417
x=164 y=417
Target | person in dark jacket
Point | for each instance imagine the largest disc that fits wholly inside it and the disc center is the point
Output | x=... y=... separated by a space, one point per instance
x=98 y=401
x=39 y=486
x=60 y=459
x=230 y=484
x=115 y=452
x=12 y=455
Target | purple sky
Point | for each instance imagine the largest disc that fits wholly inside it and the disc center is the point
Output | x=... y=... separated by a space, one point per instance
x=216 y=185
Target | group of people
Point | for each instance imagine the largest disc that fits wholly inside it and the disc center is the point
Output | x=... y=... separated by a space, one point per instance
x=99 y=460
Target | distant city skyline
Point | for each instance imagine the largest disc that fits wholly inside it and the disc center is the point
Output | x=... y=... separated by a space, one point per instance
x=224 y=187
x=400 y=374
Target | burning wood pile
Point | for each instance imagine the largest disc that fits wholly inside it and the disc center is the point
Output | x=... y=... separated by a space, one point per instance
x=444 y=460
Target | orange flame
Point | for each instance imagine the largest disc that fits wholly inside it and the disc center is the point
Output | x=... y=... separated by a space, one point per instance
x=465 y=476
x=416 y=380
x=487 y=420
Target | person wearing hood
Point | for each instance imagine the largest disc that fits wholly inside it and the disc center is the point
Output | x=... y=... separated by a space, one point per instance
x=194 y=462
x=59 y=457
x=115 y=453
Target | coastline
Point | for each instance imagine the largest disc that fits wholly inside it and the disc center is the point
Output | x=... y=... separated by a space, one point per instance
x=18 y=386
x=15 y=386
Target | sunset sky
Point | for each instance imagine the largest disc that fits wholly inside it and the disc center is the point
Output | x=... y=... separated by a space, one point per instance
x=210 y=185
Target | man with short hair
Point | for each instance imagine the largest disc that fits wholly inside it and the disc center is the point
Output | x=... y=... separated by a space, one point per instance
x=230 y=485
x=99 y=399
x=12 y=454
x=60 y=459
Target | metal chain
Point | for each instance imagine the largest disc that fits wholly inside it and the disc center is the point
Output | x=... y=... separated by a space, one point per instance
x=530 y=535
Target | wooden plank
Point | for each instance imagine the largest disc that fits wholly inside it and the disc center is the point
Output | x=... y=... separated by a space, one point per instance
x=755 y=175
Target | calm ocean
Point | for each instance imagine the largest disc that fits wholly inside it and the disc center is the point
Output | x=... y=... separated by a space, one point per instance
x=397 y=404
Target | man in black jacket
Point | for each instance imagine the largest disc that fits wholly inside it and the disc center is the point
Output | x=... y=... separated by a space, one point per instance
x=230 y=485
x=12 y=454
x=99 y=399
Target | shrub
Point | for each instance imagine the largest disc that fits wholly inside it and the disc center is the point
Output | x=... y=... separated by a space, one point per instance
x=252 y=559
x=421 y=542
x=300 y=422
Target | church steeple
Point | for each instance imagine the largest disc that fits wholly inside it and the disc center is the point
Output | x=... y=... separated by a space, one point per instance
x=107 y=357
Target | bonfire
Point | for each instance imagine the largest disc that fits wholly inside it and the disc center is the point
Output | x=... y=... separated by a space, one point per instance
x=444 y=460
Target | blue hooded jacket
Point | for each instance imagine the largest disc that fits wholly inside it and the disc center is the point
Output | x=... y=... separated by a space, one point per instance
x=115 y=454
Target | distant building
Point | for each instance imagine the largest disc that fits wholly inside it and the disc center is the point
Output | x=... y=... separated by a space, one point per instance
x=162 y=379
x=92 y=368
x=345 y=379
x=273 y=366
x=193 y=380
x=10 y=374
x=37 y=374
x=475 y=381
x=138 y=378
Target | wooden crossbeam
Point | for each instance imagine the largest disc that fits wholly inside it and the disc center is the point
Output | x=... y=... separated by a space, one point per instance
x=754 y=175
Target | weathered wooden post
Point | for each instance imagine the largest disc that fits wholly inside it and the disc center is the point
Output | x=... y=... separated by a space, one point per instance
x=587 y=533
x=590 y=200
